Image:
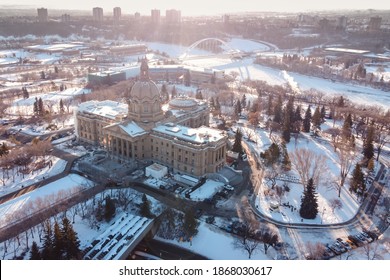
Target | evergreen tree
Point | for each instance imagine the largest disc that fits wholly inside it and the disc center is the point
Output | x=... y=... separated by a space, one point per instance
x=243 y=101
x=190 y=224
x=43 y=75
x=286 y=134
x=217 y=104
x=368 y=146
x=173 y=92
x=145 y=207
x=41 y=109
x=99 y=211
x=307 y=120
x=269 y=106
x=357 y=183
x=58 y=245
x=237 y=146
x=109 y=209
x=62 y=109
x=297 y=114
x=278 y=111
x=25 y=93
x=347 y=127
x=4 y=149
x=47 y=249
x=316 y=119
x=70 y=241
x=341 y=102
x=36 y=109
x=286 y=162
x=212 y=103
x=309 y=204
x=271 y=155
x=323 y=114
x=237 y=108
x=199 y=95
x=56 y=69
x=35 y=254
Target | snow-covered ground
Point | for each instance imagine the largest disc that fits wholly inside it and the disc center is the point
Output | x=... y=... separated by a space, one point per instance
x=50 y=193
x=22 y=180
x=207 y=190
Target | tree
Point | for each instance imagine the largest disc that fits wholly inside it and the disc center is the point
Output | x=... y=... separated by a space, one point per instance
x=268 y=237
x=357 y=183
x=25 y=93
x=346 y=156
x=278 y=111
x=43 y=75
x=109 y=209
x=4 y=149
x=58 y=242
x=70 y=240
x=308 y=164
x=190 y=224
x=237 y=108
x=346 y=131
x=316 y=119
x=323 y=113
x=309 y=204
x=145 y=207
x=199 y=95
x=41 y=109
x=237 y=146
x=271 y=155
x=315 y=251
x=173 y=92
x=56 y=69
x=286 y=162
x=335 y=204
x=35 y=254
x=47 y=249
x=307 y=120
x=62 y=109
x=187 y=79
x=243 y=101
x=245 y=240
x=36 y=109
x=381 y=139
x=368 y=146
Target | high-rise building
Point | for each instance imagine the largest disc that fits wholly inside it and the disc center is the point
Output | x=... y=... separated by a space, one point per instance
x=97 y=14
x=342 y=23
x=155 y=14
x=117 y=13
x=173 y=16
x=375 y=24
x=137 y=16
x=65 y=18
x=42 y=15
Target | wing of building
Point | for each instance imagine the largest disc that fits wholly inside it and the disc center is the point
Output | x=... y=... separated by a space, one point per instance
x=178 y=137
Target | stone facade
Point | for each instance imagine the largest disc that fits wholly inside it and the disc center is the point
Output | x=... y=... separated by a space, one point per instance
x=178 y=138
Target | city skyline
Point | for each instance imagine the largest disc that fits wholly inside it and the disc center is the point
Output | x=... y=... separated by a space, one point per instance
x=201 y=7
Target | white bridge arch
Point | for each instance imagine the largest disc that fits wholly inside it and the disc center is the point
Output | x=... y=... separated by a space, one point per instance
x=229 y=51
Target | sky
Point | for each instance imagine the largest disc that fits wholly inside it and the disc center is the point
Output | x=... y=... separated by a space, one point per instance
x=203 y=7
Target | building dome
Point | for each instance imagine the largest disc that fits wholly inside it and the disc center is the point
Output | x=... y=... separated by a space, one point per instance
x=144 y=98
x=144 y=90
x=183 y=103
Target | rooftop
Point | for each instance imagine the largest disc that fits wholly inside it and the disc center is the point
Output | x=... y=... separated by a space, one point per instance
x=107 y=108
x=200 y=135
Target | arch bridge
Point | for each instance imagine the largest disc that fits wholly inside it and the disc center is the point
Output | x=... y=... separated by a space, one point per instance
x=219 y=48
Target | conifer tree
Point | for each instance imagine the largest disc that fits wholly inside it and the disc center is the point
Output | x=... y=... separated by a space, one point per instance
x=70 y=241
x=62 y=109
x=4 y=149
x=174 y=92
x=357 y=183
x=237 y=146
x=217 y=104
x=269 y=106
x=190 y=224
x=237 y=108
x=109 y=209
x=47 y=249
x=297 y=114
x=278 y=111
x=58 y=243
x=347 y=127
x=145 y=207
x=316 y=119
x=286 y=162
x=35 y=254
x=243 y=101
x=36 y=109
x=307 y=120
x=368 y=146
x=41 y=109
x=323 y=113
x=309 y=204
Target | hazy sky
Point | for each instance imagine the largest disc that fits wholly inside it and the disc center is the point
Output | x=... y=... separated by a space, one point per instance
x=208 y=7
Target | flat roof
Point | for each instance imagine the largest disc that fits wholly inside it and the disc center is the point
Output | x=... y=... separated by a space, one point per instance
x=355 y=51
x=200 y=135
x=107 y=108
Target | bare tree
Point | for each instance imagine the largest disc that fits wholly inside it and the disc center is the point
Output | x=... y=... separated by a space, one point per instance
x=272 y=173
x=372 y=251
x=346 y=156
x=335 y=204
x=308 y=164
x=314 y=251
x=382 y=138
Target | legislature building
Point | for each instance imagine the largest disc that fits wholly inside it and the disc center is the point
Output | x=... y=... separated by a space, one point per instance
x=177 y=137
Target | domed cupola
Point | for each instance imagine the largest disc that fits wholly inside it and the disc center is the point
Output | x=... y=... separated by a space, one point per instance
x=144 y=98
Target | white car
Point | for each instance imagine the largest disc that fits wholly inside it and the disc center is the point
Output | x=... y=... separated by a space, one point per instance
x=229 y=187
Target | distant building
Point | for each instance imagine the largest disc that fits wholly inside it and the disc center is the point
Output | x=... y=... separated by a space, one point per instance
x=137 y=16
x=155 y=15
x=106 y=77
x=173 y=16
x=342 y=23
x=42 y=15
x=375 y=24
x=226 y=19
x=117 y=12
x=97 y=14
x=65 y=18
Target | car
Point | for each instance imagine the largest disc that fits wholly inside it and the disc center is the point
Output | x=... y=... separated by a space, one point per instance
x=355 y=240
x=210 y=220
x=228 y=187
x=367 y=237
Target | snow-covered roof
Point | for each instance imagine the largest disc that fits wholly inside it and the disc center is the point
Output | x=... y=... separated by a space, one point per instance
x=183 y=102
x=107 y=108
x=199 y=135
x=132 y=129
